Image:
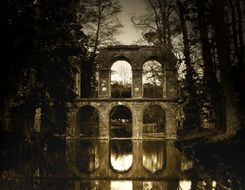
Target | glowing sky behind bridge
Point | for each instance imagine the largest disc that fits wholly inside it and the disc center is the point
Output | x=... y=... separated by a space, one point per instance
x=129 y=33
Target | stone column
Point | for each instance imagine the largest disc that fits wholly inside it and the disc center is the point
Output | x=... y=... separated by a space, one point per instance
x=104 y=121
x=164 y=85
x=171 y=84
x=73 y=130
x=104 y=84
x=137 y=88
x=134 y=124
x=137 y=122
x=78 y=84
x=170 y=126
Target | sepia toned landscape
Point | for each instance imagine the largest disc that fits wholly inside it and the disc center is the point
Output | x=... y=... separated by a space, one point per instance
x=122 y=95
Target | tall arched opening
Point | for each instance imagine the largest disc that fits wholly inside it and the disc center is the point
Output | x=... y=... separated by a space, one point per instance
x=120 y=122
x=152 y=77
x=88 y=121
x=154 y=121
x=121 y=155
x=121 y=79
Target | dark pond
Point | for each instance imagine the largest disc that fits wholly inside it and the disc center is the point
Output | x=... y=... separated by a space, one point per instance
x=89 y=164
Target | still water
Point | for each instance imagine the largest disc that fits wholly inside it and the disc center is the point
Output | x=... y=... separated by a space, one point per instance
x=149 y=164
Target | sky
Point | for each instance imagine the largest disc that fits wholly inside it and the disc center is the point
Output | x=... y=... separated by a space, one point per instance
x=129 y=33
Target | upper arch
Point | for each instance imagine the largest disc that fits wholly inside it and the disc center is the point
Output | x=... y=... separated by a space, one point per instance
x=119 y=58
x=135 y=55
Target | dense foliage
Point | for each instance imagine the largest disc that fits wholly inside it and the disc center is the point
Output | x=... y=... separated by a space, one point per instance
x=208 y=38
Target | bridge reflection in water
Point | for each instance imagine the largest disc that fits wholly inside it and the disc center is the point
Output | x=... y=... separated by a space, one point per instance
x=120 y=164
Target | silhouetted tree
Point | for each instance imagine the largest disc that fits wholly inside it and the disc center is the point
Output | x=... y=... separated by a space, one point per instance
x=101 y=24
x=59 y=37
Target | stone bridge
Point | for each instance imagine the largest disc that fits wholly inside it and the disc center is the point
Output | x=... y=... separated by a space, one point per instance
x=136 y=56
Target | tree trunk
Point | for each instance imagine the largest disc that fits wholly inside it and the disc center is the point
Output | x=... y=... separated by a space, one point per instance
x=210 y=82
x=241 y=58
x=192 y=107
x=233 y=119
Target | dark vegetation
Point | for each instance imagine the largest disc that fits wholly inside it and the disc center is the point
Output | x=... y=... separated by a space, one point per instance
x=210 y=37
x=120 y=91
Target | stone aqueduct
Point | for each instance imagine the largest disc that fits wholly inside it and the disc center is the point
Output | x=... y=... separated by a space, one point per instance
x=171 y=159
x=136 y=56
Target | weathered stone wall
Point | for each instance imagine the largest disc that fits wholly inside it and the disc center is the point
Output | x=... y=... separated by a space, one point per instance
x=137 y=107
x=136 y=56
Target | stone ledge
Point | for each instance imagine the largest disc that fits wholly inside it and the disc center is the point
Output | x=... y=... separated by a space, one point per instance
x=126 y=100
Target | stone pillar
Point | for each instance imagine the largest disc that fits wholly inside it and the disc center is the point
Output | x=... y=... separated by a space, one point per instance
x=104 y=83
x=171 y=84
x=78 y=84
x=137 y=122
x=170 y=126
x=164 y=85
x=134 y=124
x=37 y=120
x=137 y=89
x=104 y=122
x=72 y=131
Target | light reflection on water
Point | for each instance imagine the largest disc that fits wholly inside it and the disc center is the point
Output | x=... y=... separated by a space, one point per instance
x=150 y=185
x=121 y=185
x=185 y=185
x=121 y=156
x=122 y=163
x=153 y=155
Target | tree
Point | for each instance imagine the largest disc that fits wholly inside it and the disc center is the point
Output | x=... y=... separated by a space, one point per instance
x=158 y=25
x=100 y=21
x=17 y=37
x=59 y=37
x=121 y=76
x=192 y=107
x=153 y=73
x=233 y=117
x=124 y=74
